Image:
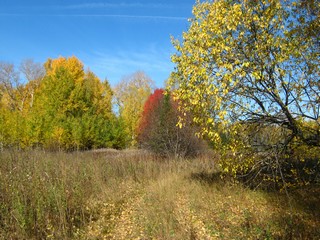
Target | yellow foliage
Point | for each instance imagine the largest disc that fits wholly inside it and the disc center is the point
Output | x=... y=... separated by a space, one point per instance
x=72 y=64
x=244 y=61
x=131 y=94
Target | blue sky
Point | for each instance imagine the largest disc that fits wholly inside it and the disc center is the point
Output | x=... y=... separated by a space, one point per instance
x=112 y=38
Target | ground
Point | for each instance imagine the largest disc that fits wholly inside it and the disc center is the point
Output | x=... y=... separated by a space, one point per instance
x=133 y=194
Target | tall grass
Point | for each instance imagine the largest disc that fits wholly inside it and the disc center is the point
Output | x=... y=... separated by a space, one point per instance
x=134 y=195
x=43 y=195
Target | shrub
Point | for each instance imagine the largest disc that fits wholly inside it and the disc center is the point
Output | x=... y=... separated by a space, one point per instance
x=158 y=130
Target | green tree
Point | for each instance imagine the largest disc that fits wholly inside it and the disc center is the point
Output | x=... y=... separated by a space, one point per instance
x=15 y=102
x=251 y=62
x=130 y=96
x=57 y=106
x=72 y=109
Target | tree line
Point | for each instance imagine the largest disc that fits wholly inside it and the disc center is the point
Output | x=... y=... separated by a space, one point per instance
x=60 y=105
x=246 y=81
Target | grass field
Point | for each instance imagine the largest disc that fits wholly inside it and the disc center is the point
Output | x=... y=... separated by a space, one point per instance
x=134 y=195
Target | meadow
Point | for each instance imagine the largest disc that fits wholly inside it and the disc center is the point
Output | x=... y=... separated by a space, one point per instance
x=133 y=194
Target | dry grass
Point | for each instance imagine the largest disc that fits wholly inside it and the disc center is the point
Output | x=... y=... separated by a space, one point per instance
x=134 y=195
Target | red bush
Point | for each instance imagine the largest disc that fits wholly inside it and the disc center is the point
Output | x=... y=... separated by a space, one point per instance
x=148 y=114
x=158 y=129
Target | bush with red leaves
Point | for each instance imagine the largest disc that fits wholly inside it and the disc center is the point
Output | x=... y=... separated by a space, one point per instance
x=158 y=130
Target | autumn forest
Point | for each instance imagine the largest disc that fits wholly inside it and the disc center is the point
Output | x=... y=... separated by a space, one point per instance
x=228 y=149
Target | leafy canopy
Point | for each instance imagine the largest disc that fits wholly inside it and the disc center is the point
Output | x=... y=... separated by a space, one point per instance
x=130 y=95
x=158 y=130
x=251 y=62
x=61 y=106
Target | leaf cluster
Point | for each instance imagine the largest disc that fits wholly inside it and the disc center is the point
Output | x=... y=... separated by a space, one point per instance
x=158 y=130
x=61 y=106
x=254 y=63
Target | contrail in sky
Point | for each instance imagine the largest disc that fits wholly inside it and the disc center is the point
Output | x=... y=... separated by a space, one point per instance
x=96 y=15
x=118 y=5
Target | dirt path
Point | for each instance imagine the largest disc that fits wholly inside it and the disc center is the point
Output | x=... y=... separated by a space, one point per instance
x=116 y=220
x=128 y=218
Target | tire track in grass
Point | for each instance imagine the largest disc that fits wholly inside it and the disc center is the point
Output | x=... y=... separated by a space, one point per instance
x=126 y=226
x=189 y=221
x=115 y=220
